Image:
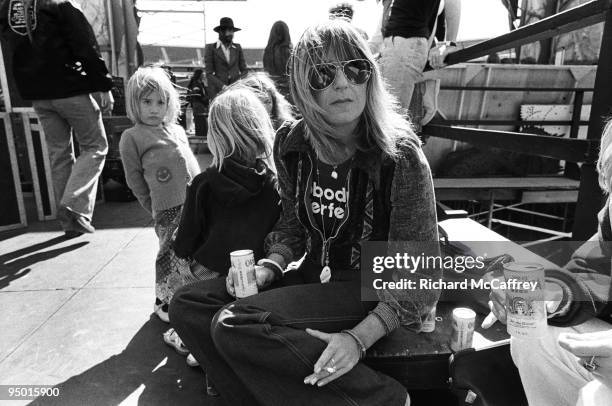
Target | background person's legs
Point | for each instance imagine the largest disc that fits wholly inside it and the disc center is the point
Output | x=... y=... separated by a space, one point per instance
x=402 y=62
x=59 y=144
x=84 y=116
x=551 y=375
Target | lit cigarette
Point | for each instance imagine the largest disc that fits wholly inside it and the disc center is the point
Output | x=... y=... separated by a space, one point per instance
x=489 y=320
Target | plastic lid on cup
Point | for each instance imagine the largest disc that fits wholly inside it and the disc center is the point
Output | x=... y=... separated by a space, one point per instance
x=240 y=253
x=522 y=266
x=464 y=313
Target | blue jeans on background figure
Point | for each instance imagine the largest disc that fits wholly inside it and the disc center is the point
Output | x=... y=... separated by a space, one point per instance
x=74 y=181
x=256 y=350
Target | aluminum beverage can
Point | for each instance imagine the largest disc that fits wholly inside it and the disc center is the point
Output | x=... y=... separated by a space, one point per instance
x=525 y=306
x=429 y=324
x=243 y=273
x=463 y=328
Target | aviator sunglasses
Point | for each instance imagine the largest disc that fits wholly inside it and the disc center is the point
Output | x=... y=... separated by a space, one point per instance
x=356 y=71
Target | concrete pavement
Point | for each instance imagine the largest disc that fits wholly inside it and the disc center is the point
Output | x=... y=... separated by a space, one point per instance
x=77 y=314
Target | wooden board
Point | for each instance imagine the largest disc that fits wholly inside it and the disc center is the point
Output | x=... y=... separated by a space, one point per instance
x=527 y=183
x=40 y=167
x=548 y=189
x=12 y=214
x=500 y=105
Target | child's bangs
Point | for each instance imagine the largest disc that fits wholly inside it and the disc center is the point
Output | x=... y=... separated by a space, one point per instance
x=150 y=86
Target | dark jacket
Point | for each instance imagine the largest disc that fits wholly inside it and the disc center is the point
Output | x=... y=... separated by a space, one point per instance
x=220 y=72
x=197 y=96
x=403 y=209
x=62 y=61
x=227 y=211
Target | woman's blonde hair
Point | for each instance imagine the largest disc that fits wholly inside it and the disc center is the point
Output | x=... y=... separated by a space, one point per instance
x=382 y=124
x=151 y=79
x=604 y=163
x=239 y=127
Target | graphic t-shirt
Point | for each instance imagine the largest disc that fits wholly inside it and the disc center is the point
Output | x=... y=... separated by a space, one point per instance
x=329 y=196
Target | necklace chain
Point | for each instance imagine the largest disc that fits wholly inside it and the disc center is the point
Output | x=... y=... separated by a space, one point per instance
x=327 y=240
x=323 y=230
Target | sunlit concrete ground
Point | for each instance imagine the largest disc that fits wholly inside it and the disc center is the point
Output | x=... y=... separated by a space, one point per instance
x=77 y=314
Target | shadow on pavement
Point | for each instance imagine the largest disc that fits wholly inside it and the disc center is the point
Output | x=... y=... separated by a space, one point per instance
x=121 y=215
x=11 y=270
x=148 y=371
x=108 y=215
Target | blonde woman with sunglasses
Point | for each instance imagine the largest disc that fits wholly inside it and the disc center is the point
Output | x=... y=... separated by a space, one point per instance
x=351 y=171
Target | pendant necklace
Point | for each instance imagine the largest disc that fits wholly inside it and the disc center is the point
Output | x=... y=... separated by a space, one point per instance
x=325 y=275
x=326 y=271
x=334 y=174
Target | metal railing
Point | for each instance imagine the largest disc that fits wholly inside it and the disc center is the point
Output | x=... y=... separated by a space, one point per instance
x=571 y=149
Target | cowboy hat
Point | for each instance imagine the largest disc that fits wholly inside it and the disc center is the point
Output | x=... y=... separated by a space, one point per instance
x=226 y=23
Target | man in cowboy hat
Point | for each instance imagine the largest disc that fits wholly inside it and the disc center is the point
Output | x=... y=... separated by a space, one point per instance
x=224 y=59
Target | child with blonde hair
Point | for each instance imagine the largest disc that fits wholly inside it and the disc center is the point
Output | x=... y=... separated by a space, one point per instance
x=158 y=165
x=234 y=203
x=276 y=105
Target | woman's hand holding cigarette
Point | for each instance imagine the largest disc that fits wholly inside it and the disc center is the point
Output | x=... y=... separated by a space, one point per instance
x=497 y=305
x=340 y=356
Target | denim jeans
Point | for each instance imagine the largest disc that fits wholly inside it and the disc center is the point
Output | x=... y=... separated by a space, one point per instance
x=74 y=182
x=402 y=62
x=256 y=350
